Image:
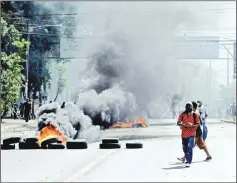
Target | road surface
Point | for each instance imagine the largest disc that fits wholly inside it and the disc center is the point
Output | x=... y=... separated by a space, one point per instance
x=155 y=162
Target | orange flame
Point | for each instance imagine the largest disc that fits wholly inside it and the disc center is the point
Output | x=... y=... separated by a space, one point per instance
x=50 y=132
x=130 y=124
x=122 y=125
x=142 y=121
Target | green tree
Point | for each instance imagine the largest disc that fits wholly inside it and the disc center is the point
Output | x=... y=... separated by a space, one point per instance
x=12 y=59
x=44 y=39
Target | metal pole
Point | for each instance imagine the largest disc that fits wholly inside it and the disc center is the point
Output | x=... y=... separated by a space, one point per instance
x=228 y=66
x=0 y=75
x=27 y=62
x=210 y=80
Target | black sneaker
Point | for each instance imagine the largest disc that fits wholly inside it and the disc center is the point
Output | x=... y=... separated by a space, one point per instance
x=208 y=158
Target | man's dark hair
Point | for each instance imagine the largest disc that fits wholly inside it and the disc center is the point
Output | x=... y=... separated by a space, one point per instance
x=194 y=103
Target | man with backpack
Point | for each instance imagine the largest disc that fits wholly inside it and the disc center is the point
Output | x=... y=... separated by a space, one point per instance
x=198 y=139
x=189 y=122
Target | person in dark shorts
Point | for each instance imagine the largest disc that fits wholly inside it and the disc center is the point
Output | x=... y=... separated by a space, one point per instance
x=199 y=139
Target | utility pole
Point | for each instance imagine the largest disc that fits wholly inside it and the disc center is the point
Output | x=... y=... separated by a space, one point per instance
x=0 y=78
x=27 y=61
x=228 y=66
x=210 y=80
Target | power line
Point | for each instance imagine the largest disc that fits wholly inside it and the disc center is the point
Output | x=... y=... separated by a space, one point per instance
x=94 y=37
x=186 y=29
x=117 y=13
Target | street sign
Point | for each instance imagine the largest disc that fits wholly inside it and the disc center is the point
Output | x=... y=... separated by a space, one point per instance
x=197 y=47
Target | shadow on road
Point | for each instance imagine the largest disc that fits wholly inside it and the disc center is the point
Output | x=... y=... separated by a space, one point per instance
x=179 y=163
x=175 y=167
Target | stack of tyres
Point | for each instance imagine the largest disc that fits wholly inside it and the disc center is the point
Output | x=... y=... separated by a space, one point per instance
x=9 y=143
x=56 y=146
x=110 y=143
x=29 y=143
x=52 y=143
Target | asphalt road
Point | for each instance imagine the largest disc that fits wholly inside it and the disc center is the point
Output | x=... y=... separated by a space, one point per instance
x=155 y=162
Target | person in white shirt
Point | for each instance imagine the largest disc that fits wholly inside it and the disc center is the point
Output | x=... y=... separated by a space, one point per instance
x=203 y=115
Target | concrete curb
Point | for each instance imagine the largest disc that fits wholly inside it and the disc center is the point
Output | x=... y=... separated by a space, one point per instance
x=228 y=121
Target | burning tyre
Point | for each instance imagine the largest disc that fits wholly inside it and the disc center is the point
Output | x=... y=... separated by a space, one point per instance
x=110 y=146
x=29 y=145
x=110 y=140
x=45 y=144
x=56 y=146
x=30 y=140
x=134 y=145
x=137 y=125
x=77 y=144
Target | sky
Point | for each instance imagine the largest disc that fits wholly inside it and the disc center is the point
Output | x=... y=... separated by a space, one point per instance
x=225 y=28
x=226 y=13
x=213 y=19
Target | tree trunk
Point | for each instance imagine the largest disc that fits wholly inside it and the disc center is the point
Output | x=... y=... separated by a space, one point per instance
x=40 y=98
x=56 y=95
x=4 y=113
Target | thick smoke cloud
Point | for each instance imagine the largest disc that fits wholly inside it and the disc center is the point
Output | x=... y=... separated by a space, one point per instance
x=136 y=51
x=130 y=68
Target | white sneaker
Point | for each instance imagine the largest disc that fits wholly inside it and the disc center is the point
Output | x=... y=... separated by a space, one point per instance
x=187 y=165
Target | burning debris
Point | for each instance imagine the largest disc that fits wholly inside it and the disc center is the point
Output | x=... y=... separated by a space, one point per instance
x=65 y=124
x=102 y=99
x=101 y=92
x=137 y=123
x=50 y=131
x=72 y=123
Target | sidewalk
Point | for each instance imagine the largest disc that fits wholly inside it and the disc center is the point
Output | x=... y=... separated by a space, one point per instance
x=18 y=125
x=228 y=120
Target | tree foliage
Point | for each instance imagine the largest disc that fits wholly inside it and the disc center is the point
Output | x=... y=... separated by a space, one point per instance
x=12 y=59
x=44 y=39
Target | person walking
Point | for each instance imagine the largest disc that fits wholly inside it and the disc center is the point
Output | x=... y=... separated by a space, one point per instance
x=27 y=110
x=187 y=122
x=233 y=110
x=203 y=115
x=15 y=106
x=173 y=110
x=21 y=109
x=63 y=105
x=198 y=139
